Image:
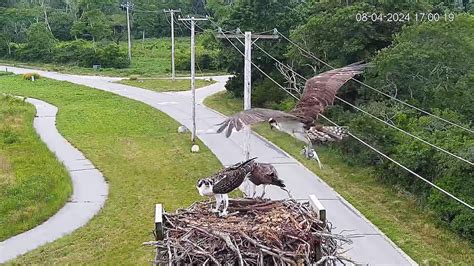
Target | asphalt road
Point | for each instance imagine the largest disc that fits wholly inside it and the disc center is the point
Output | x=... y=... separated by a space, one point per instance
x=370 y=245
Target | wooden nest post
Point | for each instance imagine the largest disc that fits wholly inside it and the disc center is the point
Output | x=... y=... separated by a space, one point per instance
x=256 y=232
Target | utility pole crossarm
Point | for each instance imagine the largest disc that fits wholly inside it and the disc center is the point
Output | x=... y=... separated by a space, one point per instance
x=248 y=36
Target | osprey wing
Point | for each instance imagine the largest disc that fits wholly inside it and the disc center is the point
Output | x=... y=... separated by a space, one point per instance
x=250 y=117
x=320 y=91
x=231 y=178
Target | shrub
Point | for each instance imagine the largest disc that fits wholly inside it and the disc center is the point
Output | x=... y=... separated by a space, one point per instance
x=40 y=44
x=8 y=136
x=81 y=52
x=112 y=56
x=28 y=76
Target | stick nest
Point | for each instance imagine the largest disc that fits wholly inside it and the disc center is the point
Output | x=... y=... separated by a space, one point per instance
x=256 y=232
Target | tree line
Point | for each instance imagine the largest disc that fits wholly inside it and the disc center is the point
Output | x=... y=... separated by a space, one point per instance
x=426 y=64
x=83 y=31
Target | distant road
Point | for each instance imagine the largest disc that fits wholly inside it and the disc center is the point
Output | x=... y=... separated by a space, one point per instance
x=370 y=245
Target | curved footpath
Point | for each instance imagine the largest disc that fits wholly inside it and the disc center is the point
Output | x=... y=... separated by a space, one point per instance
x=89 y=189
x=370 y=245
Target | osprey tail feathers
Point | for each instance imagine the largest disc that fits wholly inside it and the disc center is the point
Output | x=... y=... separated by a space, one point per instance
x=277 y=182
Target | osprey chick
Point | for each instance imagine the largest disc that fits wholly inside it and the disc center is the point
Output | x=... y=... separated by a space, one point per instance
x=265 y=174
x=319 y=92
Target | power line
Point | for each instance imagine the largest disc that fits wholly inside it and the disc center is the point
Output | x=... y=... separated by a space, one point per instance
x=363 y=142
x=373 y=116
x=404 y=167
x=374 y=89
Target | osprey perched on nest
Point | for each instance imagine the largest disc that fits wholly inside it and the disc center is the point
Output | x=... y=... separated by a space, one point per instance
x=230 y=178
x=265 y=174
x=223 y=182
x=319 y=92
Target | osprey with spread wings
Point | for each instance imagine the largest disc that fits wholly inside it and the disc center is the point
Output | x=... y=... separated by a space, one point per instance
x=318 y=94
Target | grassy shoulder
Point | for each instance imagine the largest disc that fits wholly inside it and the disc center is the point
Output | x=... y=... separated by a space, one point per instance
x=149 y=59
x=33 y=184
x=143 y=158
x=161 y=85
x=395 y=213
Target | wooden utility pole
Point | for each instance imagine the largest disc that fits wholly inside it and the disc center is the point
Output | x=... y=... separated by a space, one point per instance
x=128 y=6
x=248 y=37
x=172 y=11
x=193 y=71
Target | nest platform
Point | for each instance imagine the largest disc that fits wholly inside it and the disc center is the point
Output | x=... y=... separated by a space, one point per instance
x=256 y=232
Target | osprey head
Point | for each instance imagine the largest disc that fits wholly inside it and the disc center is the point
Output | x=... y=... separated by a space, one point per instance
x=273 y=124
x=204 y=186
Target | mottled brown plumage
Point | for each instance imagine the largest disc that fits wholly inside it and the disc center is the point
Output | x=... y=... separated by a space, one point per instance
x=319 y=92
x=231 y=177
x=265 y=174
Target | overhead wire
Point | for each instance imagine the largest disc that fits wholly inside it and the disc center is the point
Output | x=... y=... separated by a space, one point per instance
x=374 y=89
x=357 y=138
x=371 y=115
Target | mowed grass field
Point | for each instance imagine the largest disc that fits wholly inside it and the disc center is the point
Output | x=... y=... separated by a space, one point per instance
x=143 y=158
x=33 y=184
x=161 y=85
x=150 y=59
x=394 y=212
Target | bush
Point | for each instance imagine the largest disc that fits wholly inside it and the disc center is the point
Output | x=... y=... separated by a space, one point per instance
x=40 y=44
x=79 y=51
x=28 y=76
x=205 y=59
x=112 y=56
x=8 y=136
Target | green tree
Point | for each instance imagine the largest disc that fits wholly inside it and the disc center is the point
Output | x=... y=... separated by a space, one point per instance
x=416 y=70
x=40 y=43
x=93 y=24
x=61 y=24
x=259 y=16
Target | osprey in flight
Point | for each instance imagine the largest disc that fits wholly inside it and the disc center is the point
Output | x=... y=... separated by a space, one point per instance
x=319 y=92
x=223 y=182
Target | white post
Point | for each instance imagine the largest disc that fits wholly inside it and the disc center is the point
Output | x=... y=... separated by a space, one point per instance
x=173 y=73
x=128 y=27
x=247 y=88
x=193 y=81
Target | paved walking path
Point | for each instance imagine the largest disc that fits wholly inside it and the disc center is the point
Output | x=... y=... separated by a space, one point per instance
x=371 y=246
x=89 y=189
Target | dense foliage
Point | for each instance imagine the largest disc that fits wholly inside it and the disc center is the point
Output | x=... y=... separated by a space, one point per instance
x=408 y=63
x=428 y=64
x=55 y=30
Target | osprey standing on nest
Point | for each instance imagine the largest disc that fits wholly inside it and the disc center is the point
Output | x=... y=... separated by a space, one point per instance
x=223 y=182
x=319 y=92
x=265 y=174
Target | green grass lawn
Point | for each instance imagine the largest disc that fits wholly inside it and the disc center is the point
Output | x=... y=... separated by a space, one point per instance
x=166 y=84
x=396 y=213
x=152 y=59
x=144 y=159
x=33 y=184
